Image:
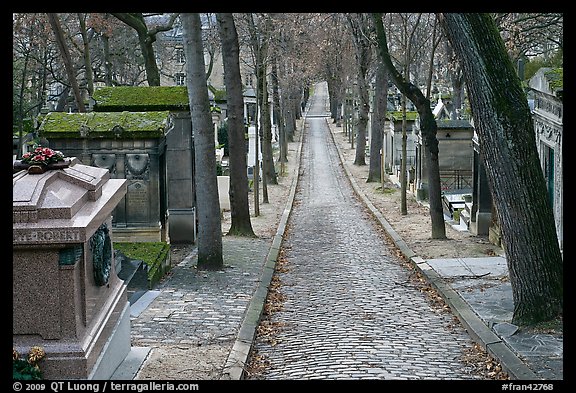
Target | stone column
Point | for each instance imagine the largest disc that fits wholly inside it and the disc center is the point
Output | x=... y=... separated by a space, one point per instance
x=481 y=199
x=180 y=184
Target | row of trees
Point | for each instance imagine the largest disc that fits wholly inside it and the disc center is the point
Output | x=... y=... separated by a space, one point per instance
x=481 y=52
x=81 y=50
x=476 y=56
x=413 y=52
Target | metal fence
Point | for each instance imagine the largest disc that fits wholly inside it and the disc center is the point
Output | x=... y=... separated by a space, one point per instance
x=456 y=179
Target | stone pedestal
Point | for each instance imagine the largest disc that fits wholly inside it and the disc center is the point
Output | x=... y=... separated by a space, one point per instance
x=224 y=192
x=67 y=297
x=180 y=180
x=481 y=197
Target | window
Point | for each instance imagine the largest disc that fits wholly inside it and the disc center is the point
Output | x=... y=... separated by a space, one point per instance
x=548 y=167
x=180 y=79
x=180 y=56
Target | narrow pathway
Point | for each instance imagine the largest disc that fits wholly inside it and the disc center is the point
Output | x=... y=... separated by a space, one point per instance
x=350 y=308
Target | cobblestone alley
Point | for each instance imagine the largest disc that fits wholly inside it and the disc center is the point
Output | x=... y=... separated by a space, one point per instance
x=350 y=310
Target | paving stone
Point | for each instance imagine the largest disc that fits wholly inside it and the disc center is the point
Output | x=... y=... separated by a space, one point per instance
x=342 y=274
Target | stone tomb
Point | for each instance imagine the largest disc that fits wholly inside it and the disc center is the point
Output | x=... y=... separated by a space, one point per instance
x=178 y=158
x=67 y=297
x=131 y=146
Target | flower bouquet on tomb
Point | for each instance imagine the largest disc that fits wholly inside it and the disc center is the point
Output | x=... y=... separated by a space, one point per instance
x=40 y=160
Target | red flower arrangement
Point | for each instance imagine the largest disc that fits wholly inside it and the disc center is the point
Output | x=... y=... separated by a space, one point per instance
x=43 y=156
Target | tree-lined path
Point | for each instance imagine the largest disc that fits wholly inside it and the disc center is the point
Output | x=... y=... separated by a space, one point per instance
x=350 y=309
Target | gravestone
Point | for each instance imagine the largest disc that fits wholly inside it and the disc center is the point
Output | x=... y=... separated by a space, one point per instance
x=455 y=160
x=67 y=297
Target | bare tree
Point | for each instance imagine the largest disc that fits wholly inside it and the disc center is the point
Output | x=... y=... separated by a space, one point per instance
x=86 y=52
x=146 y=37
x=239 y=206
x=505 y=129
x=531 y=33
x=260 y=32
x=360 y=28
x=277 y=115
x=116 y=55
x=55 y=23
x=428 y=128
x=379 y=110
x=207 y=202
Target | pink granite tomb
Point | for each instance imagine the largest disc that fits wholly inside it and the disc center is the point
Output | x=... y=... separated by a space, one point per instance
x=67 y=297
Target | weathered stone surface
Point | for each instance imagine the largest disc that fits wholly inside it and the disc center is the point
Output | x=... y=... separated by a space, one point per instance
x=66 y=295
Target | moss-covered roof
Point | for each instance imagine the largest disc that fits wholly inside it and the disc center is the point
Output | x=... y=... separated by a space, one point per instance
x=453 y=124
x=397 y=115
x=141 y=98
x=105 y=124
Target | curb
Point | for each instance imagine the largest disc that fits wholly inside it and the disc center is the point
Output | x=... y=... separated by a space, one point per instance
x=234 y=368
x=475 y=327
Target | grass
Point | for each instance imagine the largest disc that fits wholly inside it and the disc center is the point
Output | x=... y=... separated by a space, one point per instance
x=155 y=255
x=385 y=190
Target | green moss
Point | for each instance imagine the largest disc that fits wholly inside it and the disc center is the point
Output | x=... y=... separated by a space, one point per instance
x=397 y=115
x=104 y=124
x=385 y=190
x=219 y=95
x=454 y=125
x=141 y=98
x=153 y=254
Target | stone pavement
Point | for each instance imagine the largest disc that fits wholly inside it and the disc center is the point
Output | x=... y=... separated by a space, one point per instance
x=196 y=325
x=214 y=315
x=483 y=284
x=350 y=308
x=479 y=293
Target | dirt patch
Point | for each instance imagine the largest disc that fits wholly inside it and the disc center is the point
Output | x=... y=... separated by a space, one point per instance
x=170 y=362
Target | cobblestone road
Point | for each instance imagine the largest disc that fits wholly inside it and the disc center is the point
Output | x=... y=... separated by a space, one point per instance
x=350 y=310
x=193 y=322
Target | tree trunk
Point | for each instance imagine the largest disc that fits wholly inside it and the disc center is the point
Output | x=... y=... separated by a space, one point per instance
x=152 y=72
x=403 y=182
x=283 y=158
x=146 y=39
x=428 y=129
x=239 y=205
x=62 y=99
x=364 y=108
x=108 y=79
x=290 y=114
x=332 y=96
x=506 y=136
x=262 y=49
x=21 y=105
x=267 y=155
x=256 y=169
x=261 y=78
x=86 y=52
x=363 y=50
x=57 y=29
x=435 y=43
x=207 y=202
x=378 y=121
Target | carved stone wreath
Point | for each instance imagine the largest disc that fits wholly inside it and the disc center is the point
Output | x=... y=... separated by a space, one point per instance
x=101 y=247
